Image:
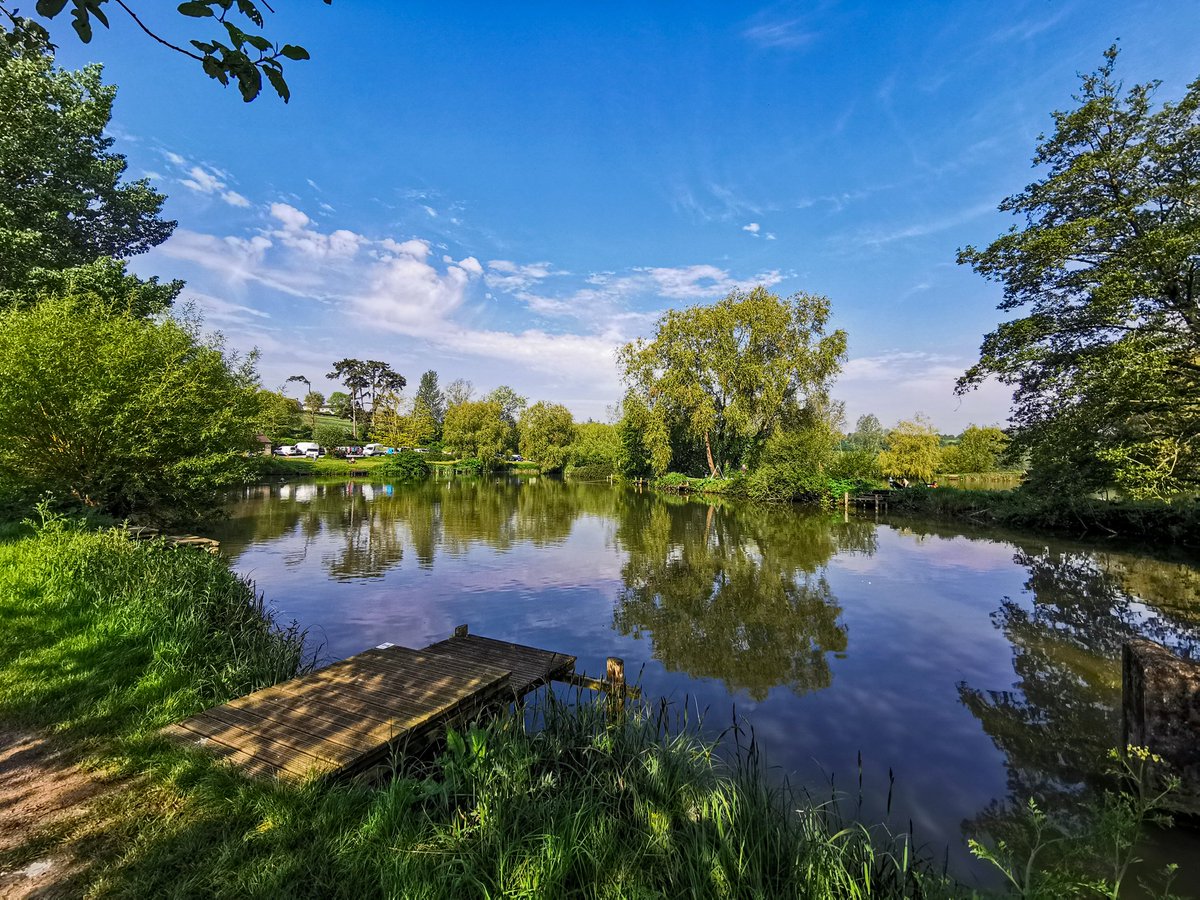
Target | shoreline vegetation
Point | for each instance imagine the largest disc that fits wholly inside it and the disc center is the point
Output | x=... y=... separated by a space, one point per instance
x=108 y=639
x=1019 y=507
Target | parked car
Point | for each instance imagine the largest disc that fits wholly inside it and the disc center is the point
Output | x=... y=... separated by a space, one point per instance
x=308 y=448
x=286 y=450
x=378 y=450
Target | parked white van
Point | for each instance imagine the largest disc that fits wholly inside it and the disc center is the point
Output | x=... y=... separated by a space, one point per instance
x=309 y=449
x=376 y=450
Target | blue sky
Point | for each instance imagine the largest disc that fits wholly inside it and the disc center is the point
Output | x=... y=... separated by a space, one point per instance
x=507 y=192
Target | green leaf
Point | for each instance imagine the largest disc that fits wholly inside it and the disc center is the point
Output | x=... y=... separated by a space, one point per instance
x=214 y=70
x=235 y=34
x=276 y=78
x=258 y=42
x=291 y=51
x=81 y=24
x=94 y=8
x=197 y=9
x=250 y=11
x=249 y=83
x=50 y=8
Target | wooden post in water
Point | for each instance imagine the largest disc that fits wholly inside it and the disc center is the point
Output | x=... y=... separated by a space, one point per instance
x=614 y=676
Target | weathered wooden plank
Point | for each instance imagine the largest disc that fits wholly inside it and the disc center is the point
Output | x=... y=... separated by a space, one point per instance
x=352 y=714
x=287 y=761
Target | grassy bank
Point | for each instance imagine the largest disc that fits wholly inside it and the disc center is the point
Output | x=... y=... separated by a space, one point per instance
x=105 y=639
x=278 y=468
x=1177 y=523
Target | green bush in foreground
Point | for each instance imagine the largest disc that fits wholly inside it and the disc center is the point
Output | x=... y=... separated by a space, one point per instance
x=105 y=410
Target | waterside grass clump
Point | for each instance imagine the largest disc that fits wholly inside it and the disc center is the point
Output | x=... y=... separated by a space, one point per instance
x=103 y=637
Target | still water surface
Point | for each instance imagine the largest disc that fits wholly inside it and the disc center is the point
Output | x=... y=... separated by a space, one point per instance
x=979 y=668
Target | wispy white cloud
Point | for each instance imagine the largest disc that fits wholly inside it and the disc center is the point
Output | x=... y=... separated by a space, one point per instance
x=753 y=228
x=702 y=281
x=407 y=286
x=930 y=226
x=506 y=275
x=206 y=180
x=1028 y=29
x=782 y=33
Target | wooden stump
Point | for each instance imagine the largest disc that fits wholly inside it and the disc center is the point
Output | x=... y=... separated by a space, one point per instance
x=1161 y=711
x=614 y=677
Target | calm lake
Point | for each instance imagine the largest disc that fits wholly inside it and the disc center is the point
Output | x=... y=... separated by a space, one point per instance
x=978 y=668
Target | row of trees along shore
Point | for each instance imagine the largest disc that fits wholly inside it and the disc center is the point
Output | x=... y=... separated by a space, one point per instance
x=1105 y=362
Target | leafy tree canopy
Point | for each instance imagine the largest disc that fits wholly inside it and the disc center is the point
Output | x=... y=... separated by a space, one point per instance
x=914 y=450
x=430 y=396
x=278 y=416
x=868 y=434
x=63 y=200
x=460 y=390
x=546 y=432
x=511 y=403
x=234 y=54
x=1105 y=356
x=978 y=450
x=477 y=429
x=339 y=402
x=119 y=413
x=399 y=423
x=733 y=371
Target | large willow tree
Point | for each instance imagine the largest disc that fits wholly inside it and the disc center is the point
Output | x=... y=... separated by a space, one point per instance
x=729 y=374
x=1105 y=351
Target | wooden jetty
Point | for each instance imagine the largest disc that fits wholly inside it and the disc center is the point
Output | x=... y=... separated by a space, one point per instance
x=350 y=716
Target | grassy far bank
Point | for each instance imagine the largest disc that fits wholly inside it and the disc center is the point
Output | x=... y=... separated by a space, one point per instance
x=275 y=467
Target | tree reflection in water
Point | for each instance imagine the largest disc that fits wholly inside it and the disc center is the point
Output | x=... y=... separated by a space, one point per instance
x=372 y=525
x=1060 y=718
x=737 y=594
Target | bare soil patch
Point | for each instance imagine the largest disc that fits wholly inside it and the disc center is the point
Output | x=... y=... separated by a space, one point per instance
x=39 y=790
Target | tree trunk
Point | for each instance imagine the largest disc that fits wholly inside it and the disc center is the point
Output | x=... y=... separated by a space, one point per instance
x=712 y=466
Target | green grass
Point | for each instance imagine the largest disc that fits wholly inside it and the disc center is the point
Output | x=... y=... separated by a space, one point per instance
x=103 y=638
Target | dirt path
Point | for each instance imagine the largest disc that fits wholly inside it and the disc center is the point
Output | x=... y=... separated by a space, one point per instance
x=38 y=788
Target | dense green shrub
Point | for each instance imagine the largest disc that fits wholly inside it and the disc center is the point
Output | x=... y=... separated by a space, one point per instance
x=102 y=409
x=404 y=466
x=330 y=436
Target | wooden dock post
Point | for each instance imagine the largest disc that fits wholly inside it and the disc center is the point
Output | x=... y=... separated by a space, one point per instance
x=614 y=677
x=461 y=630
